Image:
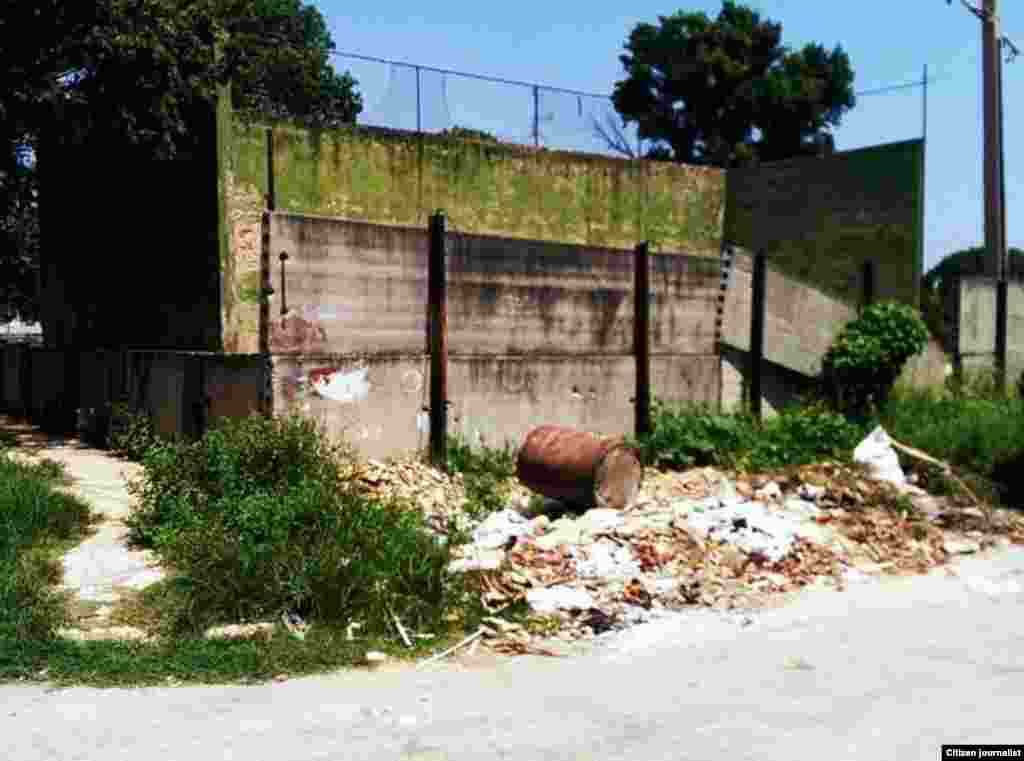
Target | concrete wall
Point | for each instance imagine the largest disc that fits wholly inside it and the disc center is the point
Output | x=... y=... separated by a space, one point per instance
x=801 y=321
x=820 y=219
x=537 y=332
x=398 y=179
x=974 y=338
x=182 y=392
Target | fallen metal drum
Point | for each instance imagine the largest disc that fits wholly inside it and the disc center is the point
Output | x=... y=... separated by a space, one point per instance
x=580 y=469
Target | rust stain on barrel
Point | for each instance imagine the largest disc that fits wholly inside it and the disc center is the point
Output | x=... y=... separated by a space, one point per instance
x=569 y=465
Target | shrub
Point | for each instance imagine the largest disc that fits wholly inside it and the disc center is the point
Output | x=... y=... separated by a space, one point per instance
x=693 y=435
x=861 y=367
x=129 y=432
x=262 y=515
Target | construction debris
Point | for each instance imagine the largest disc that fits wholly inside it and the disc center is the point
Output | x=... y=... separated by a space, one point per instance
x=696 y=538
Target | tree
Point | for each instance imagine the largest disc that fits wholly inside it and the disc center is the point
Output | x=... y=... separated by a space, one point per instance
x=139 y=72
x=969 y=261
x=727 y=93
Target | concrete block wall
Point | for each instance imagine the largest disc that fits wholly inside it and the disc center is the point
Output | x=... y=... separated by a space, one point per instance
x=537 y=332
x=973 y=302
x=181 y=392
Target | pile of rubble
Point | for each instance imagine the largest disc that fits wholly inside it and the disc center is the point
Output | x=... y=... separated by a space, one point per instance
x=696 y=538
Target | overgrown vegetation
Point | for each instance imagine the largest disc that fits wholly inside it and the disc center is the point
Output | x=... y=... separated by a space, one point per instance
x=972 y=426
x=686 y=436
x=37 y=523
x=129 y=433
x=262 y=516
x=860 y=369
x=486 y=474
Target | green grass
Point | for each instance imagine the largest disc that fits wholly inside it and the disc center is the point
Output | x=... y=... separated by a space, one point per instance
x=980 y=434
x=195 y=661
x=257 y=518
x=486 y=475
x=37 y=524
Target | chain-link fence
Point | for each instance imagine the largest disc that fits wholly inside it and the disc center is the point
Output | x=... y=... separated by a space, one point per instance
x=427 y=99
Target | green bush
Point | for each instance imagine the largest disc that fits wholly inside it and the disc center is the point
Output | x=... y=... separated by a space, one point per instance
x=262 y=515
x=693 y=435
x=129 y=432
x=862 y=365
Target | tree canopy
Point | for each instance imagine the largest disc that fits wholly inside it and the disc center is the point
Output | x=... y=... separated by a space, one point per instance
x=726 y=92
x=139 y=70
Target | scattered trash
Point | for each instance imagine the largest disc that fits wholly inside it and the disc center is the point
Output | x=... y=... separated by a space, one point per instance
x=877 y=453
x=349 y=636
x=375 y=658
x=478 y=633
x=294 y=624
x=499 y=527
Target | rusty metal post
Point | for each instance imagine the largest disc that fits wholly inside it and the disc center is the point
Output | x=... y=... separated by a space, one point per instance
x=266 y=401
x=438 y=336
x=642 y=338
x=580 y=469
x=757 y=321
x=868 y=284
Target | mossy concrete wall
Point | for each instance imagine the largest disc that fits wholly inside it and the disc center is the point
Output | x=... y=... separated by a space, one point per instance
x=399 y=179
x=820 y=219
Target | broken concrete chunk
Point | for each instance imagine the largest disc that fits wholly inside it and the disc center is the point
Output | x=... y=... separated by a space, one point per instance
x=478 y=559
x=725 y=493
x=499 y=527
x=551 y=599
x=606 y=560
x=770 y=492
x=810 y=492
x=960 y=547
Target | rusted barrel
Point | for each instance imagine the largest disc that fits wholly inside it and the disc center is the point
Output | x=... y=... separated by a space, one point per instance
x=580 y=469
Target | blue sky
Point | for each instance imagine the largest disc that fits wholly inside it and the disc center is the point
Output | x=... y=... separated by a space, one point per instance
x=575 y=44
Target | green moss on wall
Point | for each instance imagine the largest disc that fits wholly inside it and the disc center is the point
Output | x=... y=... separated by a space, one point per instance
x=401 y=178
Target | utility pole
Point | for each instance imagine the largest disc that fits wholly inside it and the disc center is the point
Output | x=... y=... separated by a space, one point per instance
x=995 y=214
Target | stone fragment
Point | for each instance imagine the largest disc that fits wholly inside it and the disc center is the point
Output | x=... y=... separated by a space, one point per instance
x=551 y=599
x=959 y=547
x=478 y=559
x=810 y=492
x=499 y=527
x=562 y=531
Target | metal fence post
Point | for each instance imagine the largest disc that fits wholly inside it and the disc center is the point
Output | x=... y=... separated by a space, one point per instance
x=438 y=336
x=1002 y=293
x=536 y=116
x=757 y=321
x=642 y=338
x=868 y=284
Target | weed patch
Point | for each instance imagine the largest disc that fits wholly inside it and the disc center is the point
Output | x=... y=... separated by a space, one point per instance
x=262 y=516
x=688 y=436
x=37 y=523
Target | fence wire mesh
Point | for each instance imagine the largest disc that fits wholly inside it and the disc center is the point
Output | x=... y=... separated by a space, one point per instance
x=426 y=99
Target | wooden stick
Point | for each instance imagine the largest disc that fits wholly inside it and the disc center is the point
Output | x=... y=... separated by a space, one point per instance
x=401 y=629
x=452 y=649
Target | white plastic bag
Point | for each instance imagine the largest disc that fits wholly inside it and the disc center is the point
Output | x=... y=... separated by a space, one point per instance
x=877 y=453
